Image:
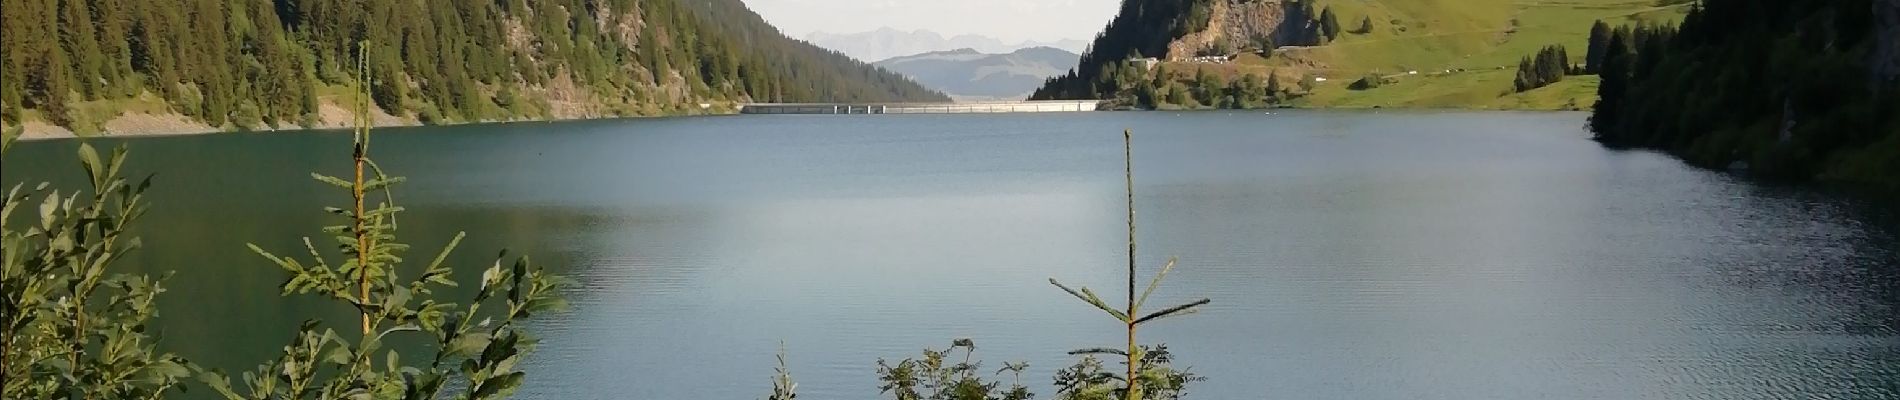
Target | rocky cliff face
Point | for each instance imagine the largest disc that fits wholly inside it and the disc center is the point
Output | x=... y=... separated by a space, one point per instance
x=1885 y=62
x=1248 y=24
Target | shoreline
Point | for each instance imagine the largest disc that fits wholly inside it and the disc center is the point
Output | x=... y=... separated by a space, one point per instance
x=38 y=130
x=52 y=132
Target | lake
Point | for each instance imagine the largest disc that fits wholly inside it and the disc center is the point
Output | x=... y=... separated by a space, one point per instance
x=1350 y=255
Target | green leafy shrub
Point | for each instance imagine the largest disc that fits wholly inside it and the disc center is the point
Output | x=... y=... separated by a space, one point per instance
x=936 y=377
x=470 y=342
x=1089 y=380
x=1550 y=66
x=73 y=328
x=1369 y=82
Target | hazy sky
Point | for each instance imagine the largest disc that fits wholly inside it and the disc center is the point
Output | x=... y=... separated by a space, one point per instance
x=1011 y=20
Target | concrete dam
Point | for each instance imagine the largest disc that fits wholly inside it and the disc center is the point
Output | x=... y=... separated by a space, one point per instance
x=922 y=108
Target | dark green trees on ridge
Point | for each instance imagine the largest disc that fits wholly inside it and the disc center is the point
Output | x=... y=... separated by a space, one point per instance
x=1549 y=66
x=1329 y=24
x=1778 y=88
x=1141 y=28
x=1599 y=43
x=251 y=63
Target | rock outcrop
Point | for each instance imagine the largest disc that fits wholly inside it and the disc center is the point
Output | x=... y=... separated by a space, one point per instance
x=1236 y=25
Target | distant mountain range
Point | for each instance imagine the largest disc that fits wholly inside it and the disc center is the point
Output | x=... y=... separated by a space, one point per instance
x=886 y=43
x=967 y=74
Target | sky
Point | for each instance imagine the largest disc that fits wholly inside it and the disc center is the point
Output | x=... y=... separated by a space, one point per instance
x=1010 y=20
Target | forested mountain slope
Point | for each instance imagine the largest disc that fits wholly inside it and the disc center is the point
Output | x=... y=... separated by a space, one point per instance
x=241 y=64
x=1794 y=88
x=824 y=75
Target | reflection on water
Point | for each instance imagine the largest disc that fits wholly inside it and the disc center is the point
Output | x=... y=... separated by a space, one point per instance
x=1350 y=255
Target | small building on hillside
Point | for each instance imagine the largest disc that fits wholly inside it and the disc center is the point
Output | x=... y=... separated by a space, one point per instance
x=1146 y=63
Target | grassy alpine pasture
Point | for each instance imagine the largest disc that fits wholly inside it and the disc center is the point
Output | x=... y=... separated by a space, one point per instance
x=1484 y=89
x=1464 y=51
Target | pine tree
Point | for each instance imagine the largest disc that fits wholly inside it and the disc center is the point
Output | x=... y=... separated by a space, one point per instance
x=1550 y=66
x=1526 y=75
x=13 y=61
x=81 y=45
x=1110 y=85
x=115 y=22
x=1179 y=95
x=1249 y=91
x=55 y=88
x=1329 y=24
x=1207 y=87
x=1599 y=43
x=1615 y=73
x=34 y=68
x=1273 y=86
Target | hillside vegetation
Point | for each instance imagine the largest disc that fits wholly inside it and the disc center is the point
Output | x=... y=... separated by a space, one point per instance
x=1795 y=89
x=1428 y=53
x=249 y=64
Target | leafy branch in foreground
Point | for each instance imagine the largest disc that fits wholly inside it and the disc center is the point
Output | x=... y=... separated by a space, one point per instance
x=69 y=327
x=471 y=342
x=935 y=377
x=1145 y=372
x=1088 y=379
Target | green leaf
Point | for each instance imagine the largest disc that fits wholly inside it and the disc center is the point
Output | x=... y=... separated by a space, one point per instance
x=47 y=208
x=433 y=315
x=340 y=356
x=500 y=349
x=491 y=277
x=543 y=305
x=398 y=298
x=118 y=160
x=166 y=370
x=219 y=383
x=89 y=158
x=496 y=385
x=519 y=275
x=467 y=345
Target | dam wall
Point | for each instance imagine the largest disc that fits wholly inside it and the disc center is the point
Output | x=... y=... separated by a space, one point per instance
x=922 y=108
